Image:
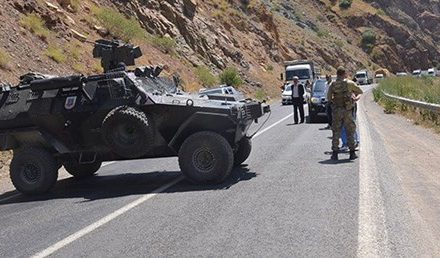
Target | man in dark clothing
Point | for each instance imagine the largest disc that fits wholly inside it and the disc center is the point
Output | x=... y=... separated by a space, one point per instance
x=328 y=107
x=297 y=100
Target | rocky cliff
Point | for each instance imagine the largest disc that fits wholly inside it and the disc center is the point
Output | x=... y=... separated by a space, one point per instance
x=255 y=36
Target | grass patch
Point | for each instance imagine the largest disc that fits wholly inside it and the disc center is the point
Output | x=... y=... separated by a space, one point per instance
x=260 y=95
x=165 y=44
x=231 y=77
x=323 y=33
x=206 y=77
x=423 y=89
x=4 y=59
x=97 y=68
x=35 y=25
x=56 y=54
x=118 y=25
x=80 y=68
x=74 y=50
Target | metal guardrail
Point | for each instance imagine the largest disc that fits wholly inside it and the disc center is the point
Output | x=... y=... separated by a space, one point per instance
x=415 y=103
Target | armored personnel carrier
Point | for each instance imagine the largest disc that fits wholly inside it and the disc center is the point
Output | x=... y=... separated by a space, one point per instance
x=79 y=122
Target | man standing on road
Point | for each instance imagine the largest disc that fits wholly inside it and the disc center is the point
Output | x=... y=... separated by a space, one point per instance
x=328 y=108
x=297 y=100
x=342 y=94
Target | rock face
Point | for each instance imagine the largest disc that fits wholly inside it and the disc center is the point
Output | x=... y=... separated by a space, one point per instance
x=411 y=33
x=254 y=36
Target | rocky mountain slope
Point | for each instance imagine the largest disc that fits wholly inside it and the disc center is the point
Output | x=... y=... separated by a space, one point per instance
x=199 y=38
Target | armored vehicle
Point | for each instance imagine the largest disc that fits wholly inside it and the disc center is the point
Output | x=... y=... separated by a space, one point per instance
x=81 y=121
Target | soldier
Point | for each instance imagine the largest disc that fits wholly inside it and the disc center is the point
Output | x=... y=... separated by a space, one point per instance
x=341 y=94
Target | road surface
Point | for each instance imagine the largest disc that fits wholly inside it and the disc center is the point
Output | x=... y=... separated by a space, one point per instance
x=289 y=200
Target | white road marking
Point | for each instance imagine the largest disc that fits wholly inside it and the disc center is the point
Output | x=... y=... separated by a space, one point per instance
x=372 y=232
x=75 y=236
x=270 y=127
x=50 y=250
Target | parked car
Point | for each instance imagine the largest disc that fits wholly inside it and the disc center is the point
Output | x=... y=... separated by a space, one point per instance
x=286 y=96
x=401 y=74
x=223 y=92
x=432 y=72
x=417 y=73
x=318 y=100
x=379 y=77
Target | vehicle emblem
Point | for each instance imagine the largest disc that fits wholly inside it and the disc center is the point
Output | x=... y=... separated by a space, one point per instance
x=70 y=102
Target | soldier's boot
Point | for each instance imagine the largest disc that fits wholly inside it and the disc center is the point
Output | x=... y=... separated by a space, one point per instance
x=334 y=155
x=353 y=155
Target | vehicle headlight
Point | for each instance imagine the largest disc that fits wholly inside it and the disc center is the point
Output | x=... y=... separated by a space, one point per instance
x=315 y=100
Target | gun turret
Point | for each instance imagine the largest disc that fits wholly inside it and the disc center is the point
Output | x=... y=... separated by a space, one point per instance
x=115 y=53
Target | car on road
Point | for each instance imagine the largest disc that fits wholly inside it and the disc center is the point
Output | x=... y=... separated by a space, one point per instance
x=318 y=100
x=222 y=92
x=432 y=72
x=417 y=73
x=379 y=77
x=286 y=95
x=401 y=74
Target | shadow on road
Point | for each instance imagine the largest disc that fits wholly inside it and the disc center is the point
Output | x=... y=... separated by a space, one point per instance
x=112 y=186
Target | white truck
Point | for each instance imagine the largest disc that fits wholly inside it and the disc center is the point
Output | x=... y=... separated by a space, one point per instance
x=305 y=70
x=363 y=77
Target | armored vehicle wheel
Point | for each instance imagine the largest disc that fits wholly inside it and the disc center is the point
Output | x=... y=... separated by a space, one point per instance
x=206 y=157
x=312 y=117
x=243 y=151
x=80 y=171
x=127 y=132
x=33 y=170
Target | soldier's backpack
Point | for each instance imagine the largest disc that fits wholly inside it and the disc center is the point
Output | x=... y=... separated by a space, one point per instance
x=341 y=95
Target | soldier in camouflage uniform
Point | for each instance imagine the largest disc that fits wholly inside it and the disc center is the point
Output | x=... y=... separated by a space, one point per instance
x=341 y=94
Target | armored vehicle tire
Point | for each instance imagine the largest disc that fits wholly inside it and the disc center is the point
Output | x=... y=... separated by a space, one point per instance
x=243 y=151
x=312 y=117
x=81 y=171
x=127 y=132
x=206 y=157
x=33 y=170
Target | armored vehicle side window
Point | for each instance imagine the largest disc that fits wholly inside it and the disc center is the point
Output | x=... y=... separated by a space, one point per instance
x=115 y=87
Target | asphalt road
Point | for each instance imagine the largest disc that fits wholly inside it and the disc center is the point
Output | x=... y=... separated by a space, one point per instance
x=289 y=200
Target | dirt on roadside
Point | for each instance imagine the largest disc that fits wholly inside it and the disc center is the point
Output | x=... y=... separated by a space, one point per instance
x=5 y=158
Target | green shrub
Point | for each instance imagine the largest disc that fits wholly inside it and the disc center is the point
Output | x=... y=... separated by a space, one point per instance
x=322 y=33
x=35 y=25
x=56 y=54
x=165 y=44
x=345 y=4
x=260 y=95
x=381 y=12
x=4 y=58
x=269 y=68
x=231 y=77
x=118 y=25
x=205 y=76
x=368 y=39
